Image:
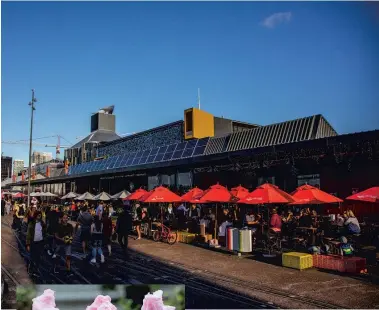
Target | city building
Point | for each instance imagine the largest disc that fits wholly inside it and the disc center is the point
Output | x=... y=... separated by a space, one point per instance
x=6 y=167
x=103 y=126
x=202 y=149
x=18 y=166
x=41 y=157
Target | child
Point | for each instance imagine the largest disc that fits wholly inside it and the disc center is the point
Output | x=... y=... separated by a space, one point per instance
x=346 y=248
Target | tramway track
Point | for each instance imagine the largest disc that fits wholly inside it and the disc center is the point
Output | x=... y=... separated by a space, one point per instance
x=46 y=273
x=8 y=288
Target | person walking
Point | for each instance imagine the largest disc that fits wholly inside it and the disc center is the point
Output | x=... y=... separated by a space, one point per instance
x=107 y=231
x=35 y=241
x=97 y=239
x=123 y=228
x=53 y=217
x=19 y=215
x=137 y=214
x=8 y=206
x=64 y=237
x=85 y=220
x=100 y=210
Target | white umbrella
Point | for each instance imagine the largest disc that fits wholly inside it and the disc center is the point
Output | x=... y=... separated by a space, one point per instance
x=121 y=195
x=70 y=195
x=35 y=194
x=47 y=194
x=103 y=196
x=85 y=196
x=6 y=193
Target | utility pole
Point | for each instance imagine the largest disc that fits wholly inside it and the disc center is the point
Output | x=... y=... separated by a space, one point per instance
x=34 y=100
x=198 y=97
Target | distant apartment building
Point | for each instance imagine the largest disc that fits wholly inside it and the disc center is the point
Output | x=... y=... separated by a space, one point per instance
x=6 y=167
x=41 y=157
x=18 y=166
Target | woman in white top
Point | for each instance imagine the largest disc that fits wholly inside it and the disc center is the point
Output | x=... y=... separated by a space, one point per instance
x=352 y=223
x=97 y=239
x=8 y=205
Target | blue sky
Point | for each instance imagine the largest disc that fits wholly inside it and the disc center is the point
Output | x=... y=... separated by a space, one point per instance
x=254 y=62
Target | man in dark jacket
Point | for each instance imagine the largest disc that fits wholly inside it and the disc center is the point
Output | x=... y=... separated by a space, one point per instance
x=52 y=219
x=35 y=241
x=123 y=228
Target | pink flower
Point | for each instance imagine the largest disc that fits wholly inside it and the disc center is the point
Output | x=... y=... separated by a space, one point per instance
x=102 y=303
x=155 y=302
x=45 y=302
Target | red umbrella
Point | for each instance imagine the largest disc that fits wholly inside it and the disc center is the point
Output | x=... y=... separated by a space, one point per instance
x=307 y=194
x=216 y=193
x=267 y=194
x=136 y=195
x=240 y=192
x=161 y=194
x=369 y=195
x=18 y=195
x=190 y=196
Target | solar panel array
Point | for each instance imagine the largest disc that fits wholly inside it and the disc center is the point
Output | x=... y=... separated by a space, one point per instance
x=176 y=151
x=307 y=128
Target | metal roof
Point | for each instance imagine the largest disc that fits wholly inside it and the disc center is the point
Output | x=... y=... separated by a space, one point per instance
x=100 y=135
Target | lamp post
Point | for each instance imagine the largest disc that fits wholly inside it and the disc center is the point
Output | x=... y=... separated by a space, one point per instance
x=34 y=100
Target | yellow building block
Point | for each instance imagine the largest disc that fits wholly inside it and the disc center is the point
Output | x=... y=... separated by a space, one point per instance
x=297 y=260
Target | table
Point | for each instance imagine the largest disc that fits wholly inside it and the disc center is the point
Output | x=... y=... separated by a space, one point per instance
x=309 y=229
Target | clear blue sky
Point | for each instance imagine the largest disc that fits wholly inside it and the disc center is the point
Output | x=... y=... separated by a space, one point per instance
x=148 y=59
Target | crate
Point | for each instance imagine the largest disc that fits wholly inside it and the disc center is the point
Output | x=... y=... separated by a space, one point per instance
x=186 y=237
x=297 y=260
x=340 y=263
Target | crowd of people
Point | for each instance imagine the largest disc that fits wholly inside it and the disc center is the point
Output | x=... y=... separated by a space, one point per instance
x=51 y=228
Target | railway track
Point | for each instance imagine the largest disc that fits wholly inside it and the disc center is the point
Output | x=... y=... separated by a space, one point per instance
x=199 y=284
x=8 y=288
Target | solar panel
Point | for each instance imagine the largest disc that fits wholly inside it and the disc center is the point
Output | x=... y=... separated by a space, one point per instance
x=130 y=160
x=146 y=153
x=199 y=150
x=171 y=148
x=158 y=158
x=139 y=154
x=123 y=161
x=142 y=160
x=187 y=153
x=154 y=151
x=168 y=156
x=150 y=159
x=114 y=162
x=177 y=154
x=191 y=143
x=202 y=142
x=136 y=161
x=96 y=166
x=162 y=149
x=181 y=146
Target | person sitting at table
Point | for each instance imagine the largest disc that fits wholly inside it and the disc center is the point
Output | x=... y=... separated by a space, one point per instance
x=236 y=216
x=340 y=221
x=346 y=249
x=305 y=219
x=352 y=223
x=275 y=221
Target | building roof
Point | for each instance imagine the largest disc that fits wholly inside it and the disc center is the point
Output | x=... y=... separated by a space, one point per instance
x=100 y=135
x=341 y=141
x=144 y=132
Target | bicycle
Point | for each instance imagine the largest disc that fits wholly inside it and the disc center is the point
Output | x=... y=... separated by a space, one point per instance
x=273 y=242
x=164 y=233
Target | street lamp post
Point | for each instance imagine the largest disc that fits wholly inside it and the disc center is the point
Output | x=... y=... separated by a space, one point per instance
x=34 y=100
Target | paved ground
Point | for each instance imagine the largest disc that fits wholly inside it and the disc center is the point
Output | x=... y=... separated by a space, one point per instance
x=217 y=280
x=315 y=284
